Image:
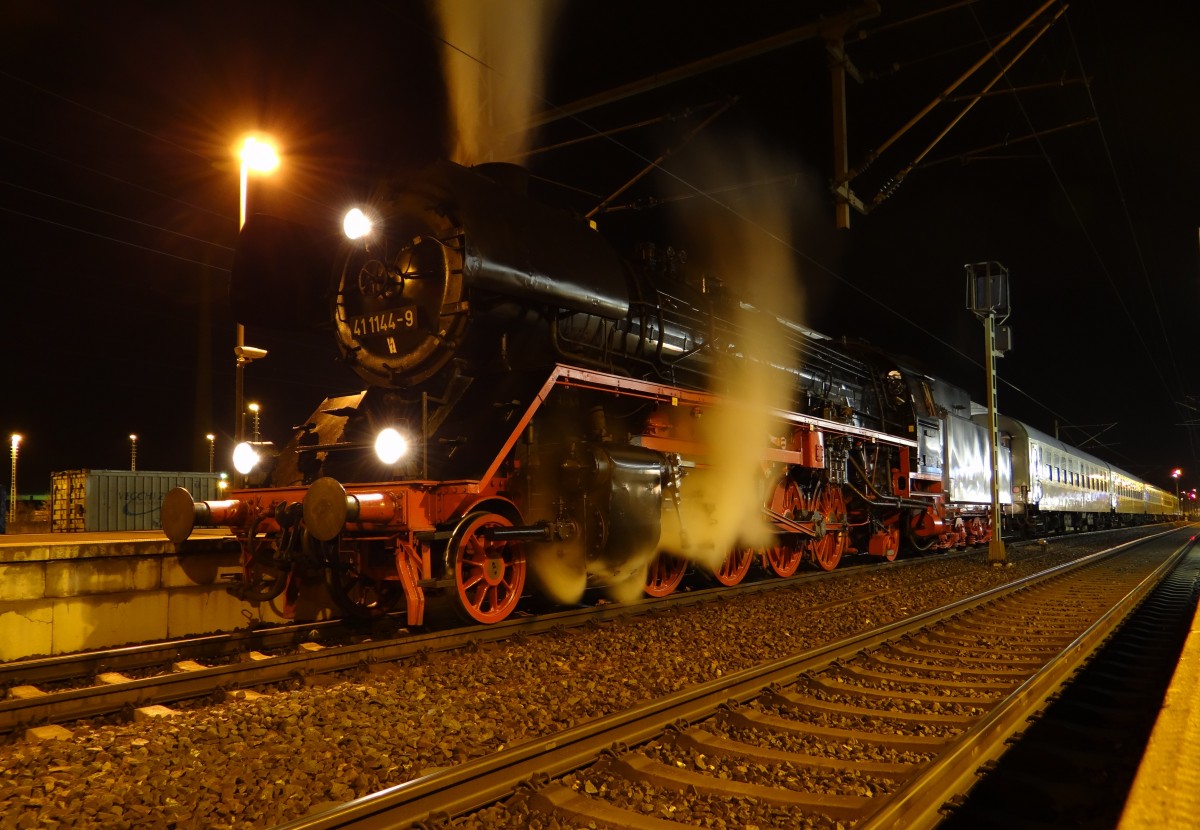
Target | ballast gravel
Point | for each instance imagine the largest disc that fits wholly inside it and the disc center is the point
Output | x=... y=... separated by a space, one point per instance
x=299 y=750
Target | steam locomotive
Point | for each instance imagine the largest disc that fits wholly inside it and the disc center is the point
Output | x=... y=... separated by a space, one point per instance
x=542 y=415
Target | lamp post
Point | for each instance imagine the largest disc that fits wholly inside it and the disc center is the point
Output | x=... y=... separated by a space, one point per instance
x=258 y=156
x=12 y=489
x=1175 y=474
x=255 y=409
x=133 y=453
x=211 y=449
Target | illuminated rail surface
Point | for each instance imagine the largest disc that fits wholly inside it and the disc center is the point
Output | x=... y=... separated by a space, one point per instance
x=73 y=686
x=941 y=692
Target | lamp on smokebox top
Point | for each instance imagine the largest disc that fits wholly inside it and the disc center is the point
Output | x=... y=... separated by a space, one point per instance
x=356 y=224
x=256 y=155
x=988 y=299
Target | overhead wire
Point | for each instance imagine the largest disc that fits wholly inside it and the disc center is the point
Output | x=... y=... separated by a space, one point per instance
x=748 y=220
x=113 y=239
x=1091 y=242
x=1168 y=352
x=687 y=185
x=115 y=215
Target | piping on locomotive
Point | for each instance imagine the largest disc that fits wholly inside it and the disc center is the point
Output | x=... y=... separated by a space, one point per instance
x=552 y=397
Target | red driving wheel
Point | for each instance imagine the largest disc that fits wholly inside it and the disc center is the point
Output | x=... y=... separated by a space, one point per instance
x=664 y=574
x=489 y=575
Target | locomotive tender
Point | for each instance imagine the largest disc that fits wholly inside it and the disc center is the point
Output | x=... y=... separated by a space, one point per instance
x=537 y=419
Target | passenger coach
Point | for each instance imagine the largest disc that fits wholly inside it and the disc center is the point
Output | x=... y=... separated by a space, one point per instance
x=1057 y=487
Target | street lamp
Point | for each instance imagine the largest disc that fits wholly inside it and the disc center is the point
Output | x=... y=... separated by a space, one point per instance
x=1175 y=474
x=255 y=409
x=258 y=156
x=133 y=453
x=211 y=449
x=12 y=490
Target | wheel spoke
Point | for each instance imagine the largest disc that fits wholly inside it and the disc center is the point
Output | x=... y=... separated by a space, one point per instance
x=664 y=574
x=735 y=566
x=489 y=575
x=360 y=587
x=827 y=549
x=782 y=560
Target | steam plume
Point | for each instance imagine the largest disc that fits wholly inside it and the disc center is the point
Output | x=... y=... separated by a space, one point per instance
x=493 y=63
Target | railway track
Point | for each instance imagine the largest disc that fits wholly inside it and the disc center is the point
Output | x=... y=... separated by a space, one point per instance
x=881 y=729
x=105 y=682
x=93 y=684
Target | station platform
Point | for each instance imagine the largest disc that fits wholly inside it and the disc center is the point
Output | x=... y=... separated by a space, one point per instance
x=67 y=592
x=1166 y=791
x=37 y=544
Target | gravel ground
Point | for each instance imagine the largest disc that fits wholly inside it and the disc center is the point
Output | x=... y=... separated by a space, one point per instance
x=254 y=763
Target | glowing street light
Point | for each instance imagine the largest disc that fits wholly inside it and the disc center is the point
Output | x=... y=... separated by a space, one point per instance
x=257 y=155
x=1175 y=474
x=12 y=489
x=255 y=409
x=212 y=448
x=133 y=453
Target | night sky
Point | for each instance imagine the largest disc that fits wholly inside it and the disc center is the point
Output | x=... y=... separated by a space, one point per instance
x=119 y=196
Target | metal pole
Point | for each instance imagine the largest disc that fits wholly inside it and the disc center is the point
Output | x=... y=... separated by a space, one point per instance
x=258 y=155
x=239 y=425
x=996 y=552
x=12 y=494
x=212 y=447
x=133 y=453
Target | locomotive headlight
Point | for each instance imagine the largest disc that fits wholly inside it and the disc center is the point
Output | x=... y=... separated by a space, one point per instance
x=256 y=461
x=356 y=225
x=245 y=458
x=390 y=446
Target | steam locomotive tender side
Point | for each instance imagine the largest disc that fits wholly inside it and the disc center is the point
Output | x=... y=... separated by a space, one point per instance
x=555 y=400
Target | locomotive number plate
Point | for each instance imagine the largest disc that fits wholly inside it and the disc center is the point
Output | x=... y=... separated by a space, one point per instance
x=383 y=322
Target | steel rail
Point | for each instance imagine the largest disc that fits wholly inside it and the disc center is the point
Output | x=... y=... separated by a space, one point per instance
x=919 y=804
x=475 y=784
x=196 y=681
x=37 y=707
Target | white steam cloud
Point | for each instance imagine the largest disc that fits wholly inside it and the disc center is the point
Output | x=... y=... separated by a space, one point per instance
x=493 y=63
x=748 y=246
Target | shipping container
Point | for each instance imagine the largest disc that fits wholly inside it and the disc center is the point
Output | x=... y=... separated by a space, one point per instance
x=90 y=500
